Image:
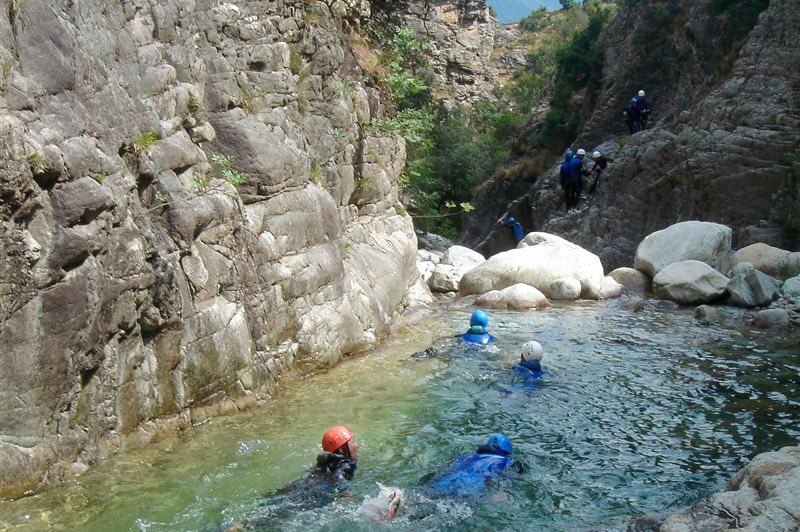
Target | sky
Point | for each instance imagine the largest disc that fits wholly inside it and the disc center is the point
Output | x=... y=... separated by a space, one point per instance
x=513 y=10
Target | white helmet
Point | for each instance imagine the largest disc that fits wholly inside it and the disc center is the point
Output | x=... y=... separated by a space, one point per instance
x=641 y=94
x=532 y=351
x=597 y=155
x=581 y=152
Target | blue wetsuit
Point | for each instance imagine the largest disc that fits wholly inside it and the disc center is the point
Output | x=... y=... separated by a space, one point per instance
x=517 y=229
x=477 y=335
x=530 y=369
x=469 y=474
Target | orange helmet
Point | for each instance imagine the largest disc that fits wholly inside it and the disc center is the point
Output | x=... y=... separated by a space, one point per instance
x=335 y=438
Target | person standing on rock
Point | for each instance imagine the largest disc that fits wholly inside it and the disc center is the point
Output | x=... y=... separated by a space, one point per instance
x=564 y=177
x=575 y=180
x=599 y=164
x=644 y=110
x=514 y=225
x=632 y=117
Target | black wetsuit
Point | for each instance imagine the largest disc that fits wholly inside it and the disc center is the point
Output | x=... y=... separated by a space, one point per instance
x=644 y=112
x=321 y=485
x=598 y=168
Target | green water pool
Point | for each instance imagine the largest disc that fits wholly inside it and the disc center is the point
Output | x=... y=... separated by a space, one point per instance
x=637 y=413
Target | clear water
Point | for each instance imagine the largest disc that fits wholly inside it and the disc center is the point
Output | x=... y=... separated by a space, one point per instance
x=638 y=413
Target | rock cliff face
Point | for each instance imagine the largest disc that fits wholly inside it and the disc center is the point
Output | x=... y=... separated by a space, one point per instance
x=724 y=147
x=140 y=291
x=461 y=35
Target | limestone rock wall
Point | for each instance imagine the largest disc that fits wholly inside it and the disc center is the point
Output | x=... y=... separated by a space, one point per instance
x=461 y=35
x=723 y=145
x=140 y=291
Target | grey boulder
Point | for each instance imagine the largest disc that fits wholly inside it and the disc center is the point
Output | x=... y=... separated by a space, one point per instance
x=700 y=241
x=791 y=287
x=771 y=318
x=690 y=282
x=752 y=288
x=773 y=261
x=631 y=279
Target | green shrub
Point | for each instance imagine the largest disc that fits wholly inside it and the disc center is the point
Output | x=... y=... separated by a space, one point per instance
x=408 y=75
x=576 y=64
x=535 y=21
x=225 y=165
x=146 y=139
x=295 y=62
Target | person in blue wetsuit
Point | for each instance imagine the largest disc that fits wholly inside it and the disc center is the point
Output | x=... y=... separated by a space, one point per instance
x=469 y=474
x=515 y=226
x=564 y=177
x=477 y=333
x=530 y=363
x=632 y=116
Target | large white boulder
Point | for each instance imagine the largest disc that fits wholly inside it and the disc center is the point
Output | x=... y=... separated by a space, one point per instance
x=701 y=241
x=604 y=288
x=419 y=295
x=550 y=259
x=444 y=279
x=690 y=282
x=455 y=262
x=516 y=297
x=462 y=258
x=773 y=261
x=425 y=269
x=424 y=255
x=631 y=279
x=535 y=238
x=566 y=289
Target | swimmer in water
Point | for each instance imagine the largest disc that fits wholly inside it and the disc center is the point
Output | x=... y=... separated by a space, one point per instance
x=324 y=483
x=477 y=333
x=530 y=360
x=469 y=474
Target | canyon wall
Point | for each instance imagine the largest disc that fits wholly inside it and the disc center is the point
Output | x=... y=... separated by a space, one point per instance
x=193 y=201
x=723 y=144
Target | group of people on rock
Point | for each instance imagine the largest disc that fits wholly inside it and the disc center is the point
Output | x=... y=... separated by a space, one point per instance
x=573 y=171
x=637 y=113
x=336 y=466
x=575 y=166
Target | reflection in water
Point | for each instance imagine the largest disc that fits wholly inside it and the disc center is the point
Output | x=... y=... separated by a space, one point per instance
x=636 y=413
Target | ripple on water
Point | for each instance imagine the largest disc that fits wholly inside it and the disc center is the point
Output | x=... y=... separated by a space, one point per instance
x=637 y=412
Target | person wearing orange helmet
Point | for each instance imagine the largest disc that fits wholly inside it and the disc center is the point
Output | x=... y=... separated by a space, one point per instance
x=340 y=454
x=324 y=483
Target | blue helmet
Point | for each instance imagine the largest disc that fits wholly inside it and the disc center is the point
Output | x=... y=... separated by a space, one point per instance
x=634 y=100
x=501 y=443
x=511 y=219
x=479 y=318
x=569 y=155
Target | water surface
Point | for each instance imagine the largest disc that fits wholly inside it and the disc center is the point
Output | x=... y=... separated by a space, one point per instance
x=638 y=413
